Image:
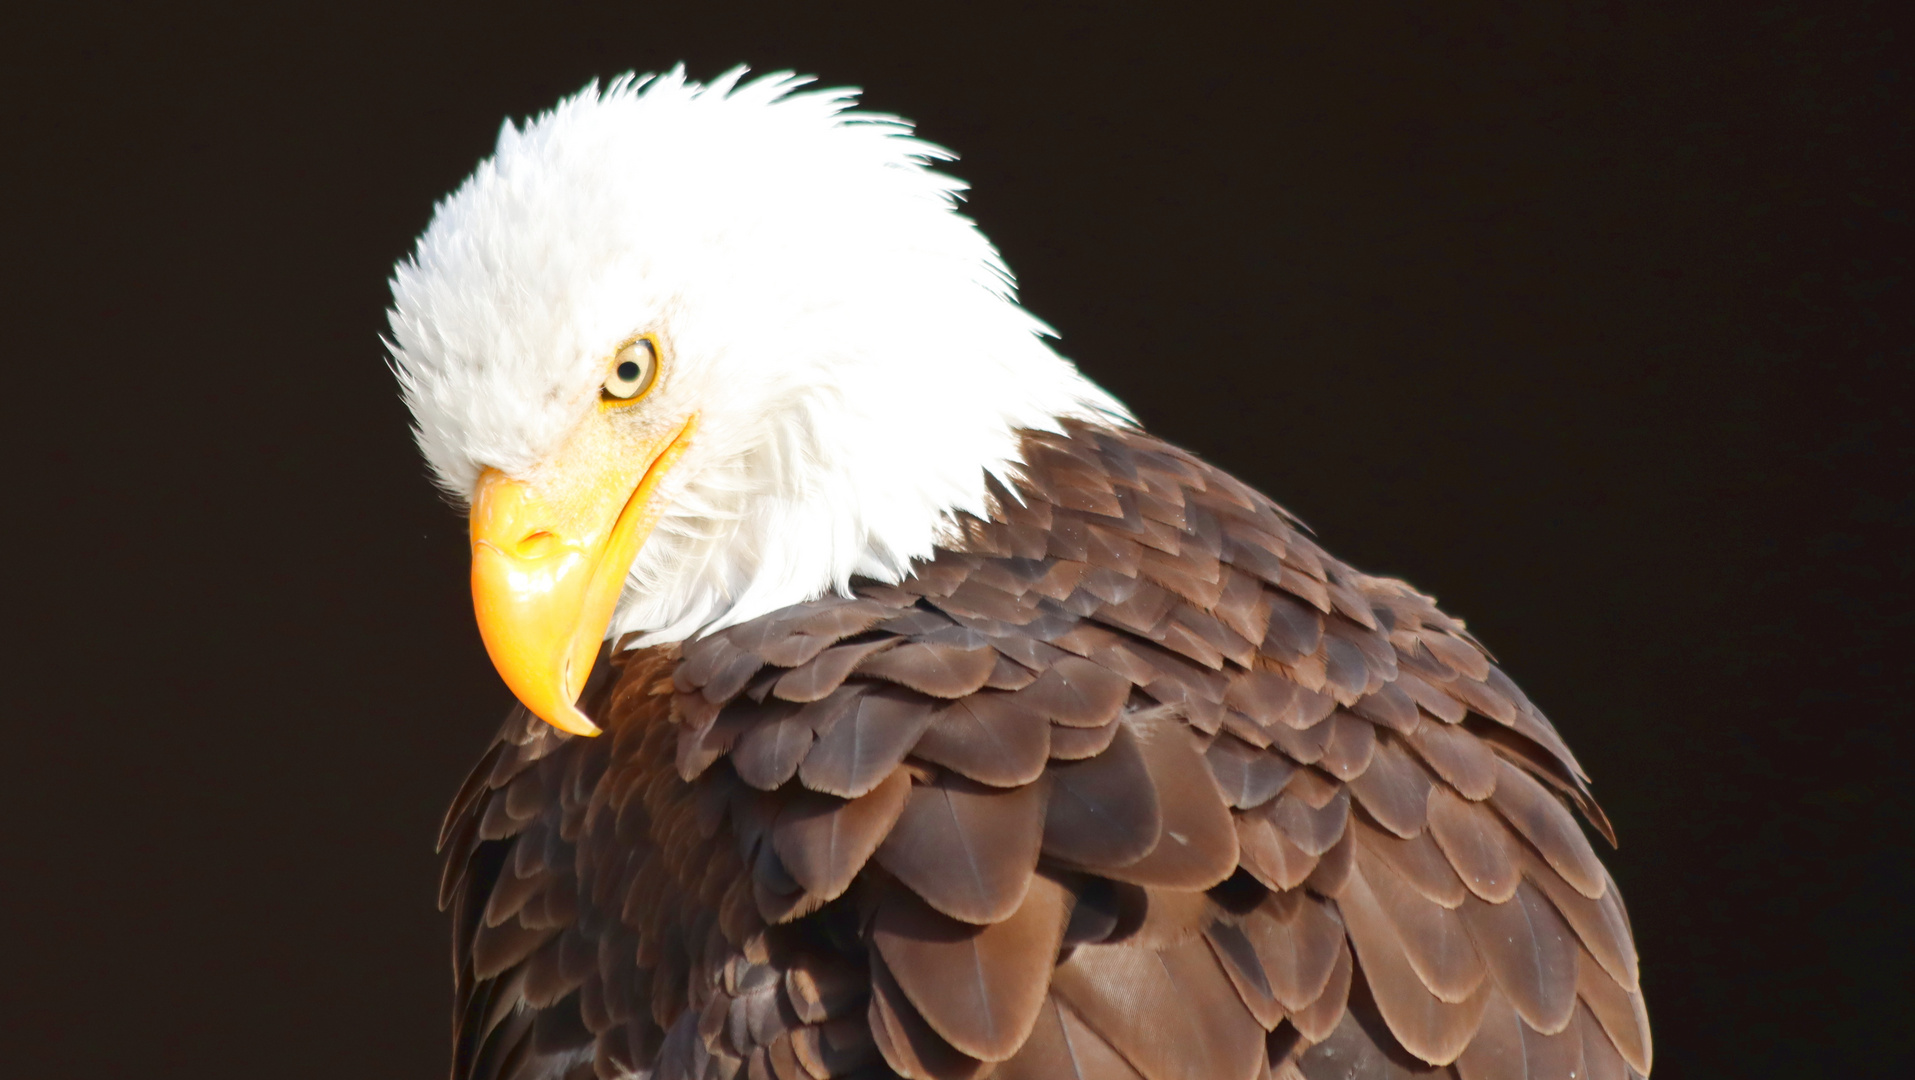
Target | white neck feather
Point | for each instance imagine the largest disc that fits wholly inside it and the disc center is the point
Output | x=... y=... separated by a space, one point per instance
x=780 y=508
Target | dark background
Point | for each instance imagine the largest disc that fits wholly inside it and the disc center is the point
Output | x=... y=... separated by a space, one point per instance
x=1592 y=319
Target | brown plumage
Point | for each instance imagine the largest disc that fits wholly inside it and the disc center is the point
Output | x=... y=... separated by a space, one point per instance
x=1130 y=782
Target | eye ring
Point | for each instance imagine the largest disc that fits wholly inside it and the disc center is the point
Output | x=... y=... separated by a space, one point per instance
x=633 y=372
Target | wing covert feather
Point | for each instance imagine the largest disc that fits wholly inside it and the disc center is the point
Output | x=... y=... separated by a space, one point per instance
x=969 y=850
x=1128 y=781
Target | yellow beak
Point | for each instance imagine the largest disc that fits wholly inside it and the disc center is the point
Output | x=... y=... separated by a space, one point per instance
x=549 y=560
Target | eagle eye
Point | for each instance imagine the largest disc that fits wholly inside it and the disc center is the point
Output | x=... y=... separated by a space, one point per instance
x=633 y=371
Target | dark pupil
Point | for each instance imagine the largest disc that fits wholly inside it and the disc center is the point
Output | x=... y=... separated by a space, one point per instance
x=628 y=371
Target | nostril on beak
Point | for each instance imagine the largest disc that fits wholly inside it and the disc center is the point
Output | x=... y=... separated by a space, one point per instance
x=535 y=544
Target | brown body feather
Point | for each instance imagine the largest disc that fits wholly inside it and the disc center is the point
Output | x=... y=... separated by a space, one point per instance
x=1132 y=781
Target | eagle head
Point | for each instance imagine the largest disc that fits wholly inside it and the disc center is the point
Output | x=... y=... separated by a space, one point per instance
x=690 y=354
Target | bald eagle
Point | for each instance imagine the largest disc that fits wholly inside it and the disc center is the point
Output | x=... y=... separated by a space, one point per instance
x=892 y=704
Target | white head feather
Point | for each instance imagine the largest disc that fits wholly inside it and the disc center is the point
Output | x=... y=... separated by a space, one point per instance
x=852 y=345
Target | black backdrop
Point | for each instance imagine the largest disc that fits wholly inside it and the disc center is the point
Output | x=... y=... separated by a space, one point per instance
x=1592 y=319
